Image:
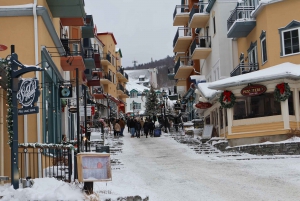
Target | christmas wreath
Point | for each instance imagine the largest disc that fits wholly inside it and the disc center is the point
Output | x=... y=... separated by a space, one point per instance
x=227 y=99
x=282 y=92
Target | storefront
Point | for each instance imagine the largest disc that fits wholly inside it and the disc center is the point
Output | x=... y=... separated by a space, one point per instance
x=259 y=105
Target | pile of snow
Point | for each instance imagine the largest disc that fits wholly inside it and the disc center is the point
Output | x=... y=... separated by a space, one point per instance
x=43 y=189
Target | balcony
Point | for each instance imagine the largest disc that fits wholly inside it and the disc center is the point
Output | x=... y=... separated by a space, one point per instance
x=171 y=74
x=240 y=23
x=183 y=68
x=178 y=54
x=120 y=89
x=125 y=94
x=105 y=78
x=98 y=93
x=105 y=59
x=182 y=39
x=243 y=68
x=95 y=81
x=181 y=15
x=74 y=55
x=97 y=56
x=121 y=75
x=198 y=16
x=67 y=9
x=88 y=29
x=201 y=47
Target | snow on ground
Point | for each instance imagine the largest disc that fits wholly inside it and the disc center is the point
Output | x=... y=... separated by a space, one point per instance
x=166 y=170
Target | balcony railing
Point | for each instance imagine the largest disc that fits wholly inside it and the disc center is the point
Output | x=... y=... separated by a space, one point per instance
x=88 y=52
x=106 y=76
x=96 y=48
x=106 y=57
x=73 y=47
x=201 y=42
x=126 y=92
x=197 y=8
x=180 y=9
x=183 y=61
x=181 y=31
x=243 y=68
x=120 y=87
x=126 y=76
x=240 y=12
x=121 y=70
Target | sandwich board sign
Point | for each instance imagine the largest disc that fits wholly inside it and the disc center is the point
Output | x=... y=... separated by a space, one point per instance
x=207 y=131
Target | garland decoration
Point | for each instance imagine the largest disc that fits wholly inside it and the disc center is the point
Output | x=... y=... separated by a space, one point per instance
x=41 y=145
x=9 y=117
x=282 y=92
x=227 y=99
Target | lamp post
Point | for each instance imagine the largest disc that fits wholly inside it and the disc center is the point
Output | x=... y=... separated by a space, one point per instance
x=164 y=105
x=133 y=107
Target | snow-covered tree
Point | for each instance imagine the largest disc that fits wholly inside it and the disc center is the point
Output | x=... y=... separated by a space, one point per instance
x=152 y=103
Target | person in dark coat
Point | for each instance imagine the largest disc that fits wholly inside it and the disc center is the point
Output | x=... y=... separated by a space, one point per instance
x=151 y=128
x=128 y=124
x=138 y=128
x=132 y=127
x=146 y=128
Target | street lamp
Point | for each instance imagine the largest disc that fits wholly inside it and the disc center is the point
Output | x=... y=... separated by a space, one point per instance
x=133 y=107
x=164 y=97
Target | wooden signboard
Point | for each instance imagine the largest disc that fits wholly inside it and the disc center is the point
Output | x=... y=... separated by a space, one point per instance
x=207 y=131
x=253 y=90
x=94 y=167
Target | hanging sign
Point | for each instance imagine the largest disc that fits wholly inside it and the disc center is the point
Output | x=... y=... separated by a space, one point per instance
x=2 y=47
x=253 y=90
x=28 y=94
x=203 y=105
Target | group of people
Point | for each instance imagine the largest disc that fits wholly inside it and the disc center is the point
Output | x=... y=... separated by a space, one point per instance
x=118 y=127
x=138 y=127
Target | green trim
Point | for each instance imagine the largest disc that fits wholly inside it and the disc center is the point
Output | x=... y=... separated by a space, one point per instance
x=120 y=52
x=210 y=5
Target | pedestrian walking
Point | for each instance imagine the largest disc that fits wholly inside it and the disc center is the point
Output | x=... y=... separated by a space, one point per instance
x=132 y=127
x=122 y=124
x=151 y=128
x=117 y=129
x=142 y=126
x=138 y=128
x=88 y=132
x=146 y=127
x=128 y=124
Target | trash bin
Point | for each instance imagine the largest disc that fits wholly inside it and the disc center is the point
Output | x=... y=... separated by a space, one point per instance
x=157 y=132
x=102 y=149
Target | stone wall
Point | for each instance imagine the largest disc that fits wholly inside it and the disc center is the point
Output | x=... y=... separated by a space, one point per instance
x=292 y=148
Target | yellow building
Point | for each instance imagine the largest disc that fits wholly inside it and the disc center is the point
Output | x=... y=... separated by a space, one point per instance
x=267 y=56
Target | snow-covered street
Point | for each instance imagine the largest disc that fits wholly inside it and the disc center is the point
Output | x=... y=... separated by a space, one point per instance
x=163 y=169
x=166 y=170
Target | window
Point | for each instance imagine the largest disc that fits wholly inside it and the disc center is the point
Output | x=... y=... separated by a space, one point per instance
x=221 y=117
x=291 y=104
x=256 y=106
x=264 y=51
x=214 y=21
x=291 y=41
x=133 y=94
x=290 y=38
x=252 y=53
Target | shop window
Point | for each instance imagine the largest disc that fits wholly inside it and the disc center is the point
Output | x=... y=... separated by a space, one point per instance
x=226 y=119
x=256 y=106
x=291 y=104
x=207 y=120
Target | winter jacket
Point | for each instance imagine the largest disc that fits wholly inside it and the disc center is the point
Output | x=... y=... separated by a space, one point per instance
x=117 y=127
x=142 y=123
x=131 y=123
x=138 y=125
x=151 y=125
x=122 y=123
x=146 y=127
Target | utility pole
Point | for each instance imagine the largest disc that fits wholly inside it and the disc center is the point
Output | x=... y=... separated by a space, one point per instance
x=134 y=64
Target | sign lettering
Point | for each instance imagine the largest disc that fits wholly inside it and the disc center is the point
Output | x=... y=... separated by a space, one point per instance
x=253 y=90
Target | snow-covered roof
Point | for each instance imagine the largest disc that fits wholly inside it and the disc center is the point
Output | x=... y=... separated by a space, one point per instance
x=206 y=92
x=284 y=70
x=142 y=76
x=134 y=86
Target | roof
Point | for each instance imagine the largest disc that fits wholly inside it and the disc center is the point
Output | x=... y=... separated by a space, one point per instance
x=207 y=93
x=280 y=71
x=120 y=52
x=99 y=40
x=108 y=33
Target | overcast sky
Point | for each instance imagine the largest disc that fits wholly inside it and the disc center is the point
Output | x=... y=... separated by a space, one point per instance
x=143 y=28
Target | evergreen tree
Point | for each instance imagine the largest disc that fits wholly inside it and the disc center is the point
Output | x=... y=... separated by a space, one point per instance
x=152 y=103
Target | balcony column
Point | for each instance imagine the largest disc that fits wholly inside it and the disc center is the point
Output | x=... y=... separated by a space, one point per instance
x=230 y=120
x=296 y=105
x=285 y=114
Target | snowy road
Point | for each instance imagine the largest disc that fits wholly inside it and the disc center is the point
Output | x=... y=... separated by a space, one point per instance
x=166 y=170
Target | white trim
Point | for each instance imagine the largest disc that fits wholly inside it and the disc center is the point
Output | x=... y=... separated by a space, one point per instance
x=262 y=52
